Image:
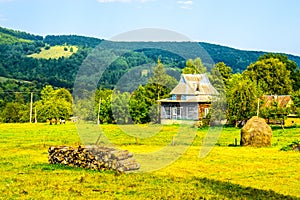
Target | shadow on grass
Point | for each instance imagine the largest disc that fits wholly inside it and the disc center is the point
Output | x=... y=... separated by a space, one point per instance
x=219 y=189
x=285 y=127
x=56 y=167
x=235 y=191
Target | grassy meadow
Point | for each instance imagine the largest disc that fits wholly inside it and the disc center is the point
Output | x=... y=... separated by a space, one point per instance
x=55 y=52
x=228 y=172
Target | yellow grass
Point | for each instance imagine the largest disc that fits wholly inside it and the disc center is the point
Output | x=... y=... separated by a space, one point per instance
x=55 y=52
x=26 y=174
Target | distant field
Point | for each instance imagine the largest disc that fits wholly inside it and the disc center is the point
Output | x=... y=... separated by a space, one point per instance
x=55 y=52
x=8 y=39
x=3 y=79
x=228 y=172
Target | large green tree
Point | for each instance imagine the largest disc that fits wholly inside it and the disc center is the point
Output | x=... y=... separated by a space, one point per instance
x=120 y=107
x=54 y=104
x=270 y=75
x=242 y=98
x=104 y=97
x=290 y=65
x=143 y=102
x=220 y=75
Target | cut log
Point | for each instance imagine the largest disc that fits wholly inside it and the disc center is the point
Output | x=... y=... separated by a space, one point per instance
x=93 y=157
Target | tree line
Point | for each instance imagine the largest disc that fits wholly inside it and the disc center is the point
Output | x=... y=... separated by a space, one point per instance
x=271 y=74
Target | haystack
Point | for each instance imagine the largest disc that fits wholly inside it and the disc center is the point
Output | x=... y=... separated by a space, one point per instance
x=256 y=133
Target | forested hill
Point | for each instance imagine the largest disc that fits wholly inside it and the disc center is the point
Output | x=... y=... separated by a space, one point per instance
x=239 y=60
x=17 y=61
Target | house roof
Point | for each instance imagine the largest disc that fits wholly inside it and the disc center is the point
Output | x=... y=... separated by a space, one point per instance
x=282 y=100
x=200 y=98
x=196 y=88
x=194 y=84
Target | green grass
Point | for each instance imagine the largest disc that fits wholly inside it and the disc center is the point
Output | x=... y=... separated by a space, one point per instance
x=226 y=173
x=55 y=52
x=9 y=39
x=3 y=79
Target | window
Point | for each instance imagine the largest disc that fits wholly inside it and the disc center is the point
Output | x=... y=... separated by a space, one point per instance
x=173 y=96
x=206 y=111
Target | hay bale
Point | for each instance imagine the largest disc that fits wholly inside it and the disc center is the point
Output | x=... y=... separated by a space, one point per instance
x=256 y=133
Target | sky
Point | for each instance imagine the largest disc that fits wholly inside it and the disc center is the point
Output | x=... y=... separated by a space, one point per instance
x=263 y=25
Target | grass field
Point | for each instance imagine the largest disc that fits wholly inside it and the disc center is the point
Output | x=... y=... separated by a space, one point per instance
x=9 y=39
x=228 y=172
x=3 y=79
x=55 y=52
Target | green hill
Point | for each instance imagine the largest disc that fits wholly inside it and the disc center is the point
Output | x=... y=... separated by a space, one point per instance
x=20 y=34
x=9 y=39
x=20 y=53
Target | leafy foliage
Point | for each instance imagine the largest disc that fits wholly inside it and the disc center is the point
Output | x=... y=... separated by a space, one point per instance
x=20 y=34
x=54 y=104
x=242 y=98
x=194 y=67
x=72 y=40
x=271 y=75
x=291 y=146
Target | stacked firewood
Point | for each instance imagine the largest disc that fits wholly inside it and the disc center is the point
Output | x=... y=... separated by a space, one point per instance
x=93 y=157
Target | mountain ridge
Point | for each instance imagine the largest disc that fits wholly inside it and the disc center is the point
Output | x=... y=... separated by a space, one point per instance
x=61 y=72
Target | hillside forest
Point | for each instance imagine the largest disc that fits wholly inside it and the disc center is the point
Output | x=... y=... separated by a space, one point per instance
x=27 y=78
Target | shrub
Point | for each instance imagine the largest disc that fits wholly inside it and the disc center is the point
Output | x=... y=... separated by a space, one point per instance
x=291 y=146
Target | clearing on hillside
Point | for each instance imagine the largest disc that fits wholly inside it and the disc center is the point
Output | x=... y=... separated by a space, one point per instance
x=55 y=52
x=9 y=39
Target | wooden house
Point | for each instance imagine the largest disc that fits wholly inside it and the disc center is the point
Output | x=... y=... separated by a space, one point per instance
x=283 y=101
x=190 y=100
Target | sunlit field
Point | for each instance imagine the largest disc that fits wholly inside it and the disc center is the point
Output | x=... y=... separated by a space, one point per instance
x=55 y=52
x=227 y=172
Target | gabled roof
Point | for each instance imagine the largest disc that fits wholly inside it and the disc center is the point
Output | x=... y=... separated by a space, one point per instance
x=282 y=100
x=194 y=84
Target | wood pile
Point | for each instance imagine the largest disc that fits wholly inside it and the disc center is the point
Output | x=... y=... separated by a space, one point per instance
x=93 y=157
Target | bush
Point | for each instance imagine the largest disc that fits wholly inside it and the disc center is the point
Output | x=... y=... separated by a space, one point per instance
x=291 y=146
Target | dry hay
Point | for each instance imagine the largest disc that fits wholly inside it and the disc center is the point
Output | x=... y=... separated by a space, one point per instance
x=256 y=133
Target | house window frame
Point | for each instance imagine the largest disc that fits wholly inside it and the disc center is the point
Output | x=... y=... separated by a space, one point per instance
x=206 y=111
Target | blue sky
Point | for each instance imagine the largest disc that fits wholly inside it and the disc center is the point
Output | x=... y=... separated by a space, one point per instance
x=270 y=25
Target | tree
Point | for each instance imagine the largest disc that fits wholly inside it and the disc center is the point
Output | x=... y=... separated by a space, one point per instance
x=220 y=75
x=120 y=107
x=161 y=81
x=270 y=75
x=140 y=104
x=290 y=65
x=104 y=97
x=296 y=102
x=54 y=104
x=242 y=98
x=194 y=67
x=144 y=99
x=11 y=112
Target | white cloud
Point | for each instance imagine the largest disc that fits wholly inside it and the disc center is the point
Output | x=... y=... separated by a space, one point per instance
x=185 y=4
x=121 y=1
